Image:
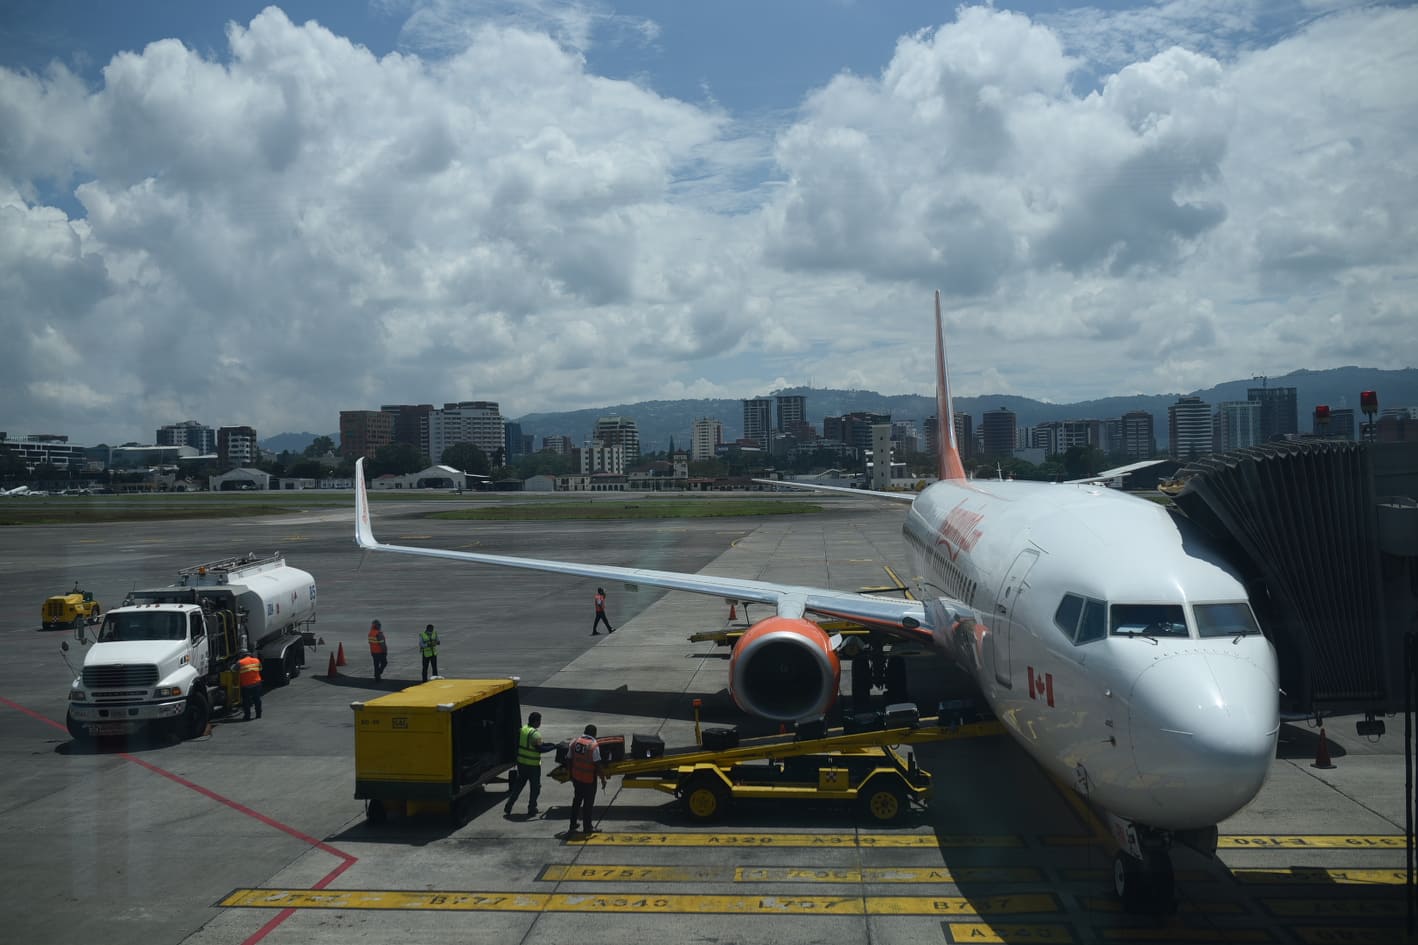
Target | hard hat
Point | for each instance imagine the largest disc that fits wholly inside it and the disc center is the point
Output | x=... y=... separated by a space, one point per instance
x=243 y=652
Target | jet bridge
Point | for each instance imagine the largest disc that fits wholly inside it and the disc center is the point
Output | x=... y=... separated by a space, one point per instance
x=1326 y=534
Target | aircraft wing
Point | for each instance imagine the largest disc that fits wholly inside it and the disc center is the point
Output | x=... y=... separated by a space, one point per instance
x=906 y=618
x=906 y=497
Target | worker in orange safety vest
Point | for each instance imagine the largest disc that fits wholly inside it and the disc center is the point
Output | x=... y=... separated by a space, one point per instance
x=248 y=670
x=583 y=758
x=378 y=648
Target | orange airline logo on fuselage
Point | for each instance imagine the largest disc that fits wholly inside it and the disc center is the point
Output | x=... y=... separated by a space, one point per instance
x=959 y=532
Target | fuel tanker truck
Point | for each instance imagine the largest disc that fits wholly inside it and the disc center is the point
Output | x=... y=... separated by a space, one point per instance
x=166 y=659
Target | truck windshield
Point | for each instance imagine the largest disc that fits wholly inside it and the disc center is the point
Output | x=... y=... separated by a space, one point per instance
x=1225 y=620
x=127 y=628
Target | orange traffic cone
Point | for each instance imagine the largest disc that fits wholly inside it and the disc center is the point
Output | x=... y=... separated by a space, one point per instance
x=340 y=658
x=733 y=614
x=331 y=673
x=1322 y=753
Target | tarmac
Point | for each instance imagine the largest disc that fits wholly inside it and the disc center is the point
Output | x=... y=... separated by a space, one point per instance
x=252 y=834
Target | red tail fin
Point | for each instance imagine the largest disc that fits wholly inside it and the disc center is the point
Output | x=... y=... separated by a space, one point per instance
x=949 y=452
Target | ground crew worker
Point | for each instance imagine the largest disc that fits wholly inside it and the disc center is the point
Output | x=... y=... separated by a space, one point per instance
x=248 y=676
x=378 y=648
x=601 y=613
x=428 y=649
x=528 y=772
x=584 y=760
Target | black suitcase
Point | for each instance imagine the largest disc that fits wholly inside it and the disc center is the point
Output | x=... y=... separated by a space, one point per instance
x=721 y=739
x=612 y=747
x=902 y=715
x=563 y=750
x=647 y=746
x=862 y=722
x=809 y=729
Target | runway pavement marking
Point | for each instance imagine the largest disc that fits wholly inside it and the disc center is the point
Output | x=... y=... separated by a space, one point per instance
x=669 y=904
x=572 y=872
x=1315 y=841
x=1257 y=842
x=960 y=932
x=840 y=840
x=1353 y=907
x=1297 y=876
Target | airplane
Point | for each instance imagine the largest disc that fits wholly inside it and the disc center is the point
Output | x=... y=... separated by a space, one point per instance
x=18 y=490
x=1116 y=645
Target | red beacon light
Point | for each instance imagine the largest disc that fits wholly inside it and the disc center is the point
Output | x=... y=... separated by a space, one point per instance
x=1322 y=412
x=1369 y=402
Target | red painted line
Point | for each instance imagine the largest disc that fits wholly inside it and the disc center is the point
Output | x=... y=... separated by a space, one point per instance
x=348 y=859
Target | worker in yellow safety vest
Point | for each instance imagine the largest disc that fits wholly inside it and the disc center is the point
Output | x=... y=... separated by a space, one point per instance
x=428 y=649
x=528 y=772
x=248 y=673
x=584 y=760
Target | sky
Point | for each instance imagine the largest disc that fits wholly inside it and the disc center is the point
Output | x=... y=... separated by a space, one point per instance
x=263 y=215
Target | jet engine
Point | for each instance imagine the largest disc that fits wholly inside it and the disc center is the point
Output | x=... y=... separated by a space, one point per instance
x=784 y=669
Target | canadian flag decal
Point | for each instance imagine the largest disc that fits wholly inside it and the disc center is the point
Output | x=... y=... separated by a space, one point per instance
x=1041 y=684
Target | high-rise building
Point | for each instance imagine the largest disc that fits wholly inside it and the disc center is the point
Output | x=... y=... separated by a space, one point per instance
x=365 y=432
x=236 y=446
x=200 y=437
x=1236 y=424
x=512 y=439
x=1188 y=428
x=622 y=432
x=36 y=449
x=1138 y=437
x=1341 y=423
x=598 y=457
x=792 y=413
x=410 y=424
x=997 y=428
x=560 y=445
x=1279 y=415
x=758 y=420
x=478 y=422
x=705 y=437
x=853 y=429
x=964 y=435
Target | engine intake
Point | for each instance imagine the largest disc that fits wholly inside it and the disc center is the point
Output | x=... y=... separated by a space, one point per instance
x=784 y=669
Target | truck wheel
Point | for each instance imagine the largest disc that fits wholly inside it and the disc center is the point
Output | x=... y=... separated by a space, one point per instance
x=274 y=671
x=705 y=797
x=77 y=730
x=193 y=721
x=883 y=801
x=295 y=659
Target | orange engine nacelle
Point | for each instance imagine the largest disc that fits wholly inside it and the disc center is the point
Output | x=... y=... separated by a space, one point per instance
x=784 y=669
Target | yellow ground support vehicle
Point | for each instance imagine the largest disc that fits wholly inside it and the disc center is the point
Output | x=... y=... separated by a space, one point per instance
x=426 y=748
x=861 y=768
x=74 y=610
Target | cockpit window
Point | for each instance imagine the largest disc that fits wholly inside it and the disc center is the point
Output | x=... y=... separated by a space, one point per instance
x=127 y=628
x=1081 y=619
x=1150 y=620
x=1225 y=620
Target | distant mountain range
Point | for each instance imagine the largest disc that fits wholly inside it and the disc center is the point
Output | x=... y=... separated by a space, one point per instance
x=659 y=420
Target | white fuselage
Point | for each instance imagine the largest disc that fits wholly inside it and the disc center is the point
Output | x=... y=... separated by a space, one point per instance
x=1175 y=730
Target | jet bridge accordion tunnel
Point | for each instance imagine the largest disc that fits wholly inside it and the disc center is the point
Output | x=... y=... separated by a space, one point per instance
x=1326 y=534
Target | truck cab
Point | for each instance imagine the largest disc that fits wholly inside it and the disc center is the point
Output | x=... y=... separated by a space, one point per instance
x=148 y=666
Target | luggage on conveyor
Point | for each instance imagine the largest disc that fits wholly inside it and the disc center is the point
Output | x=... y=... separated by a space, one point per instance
x=720 y=739
x=647 y=746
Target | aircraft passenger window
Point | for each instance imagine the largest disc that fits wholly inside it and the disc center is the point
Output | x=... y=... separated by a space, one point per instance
x=1225 y=620
x=1094 y=625
x=1067 y=615
x=1151 y=620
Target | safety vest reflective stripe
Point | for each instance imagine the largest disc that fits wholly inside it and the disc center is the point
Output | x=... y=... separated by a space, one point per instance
x=527 y=753
x=376 y=641
x=428 y=643
x=580 y=759
x=249 y=669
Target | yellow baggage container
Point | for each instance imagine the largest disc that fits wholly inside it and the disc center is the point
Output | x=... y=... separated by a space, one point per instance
x=429 y=746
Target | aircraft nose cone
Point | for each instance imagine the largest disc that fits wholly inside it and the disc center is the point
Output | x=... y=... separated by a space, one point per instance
x=1203 y=730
